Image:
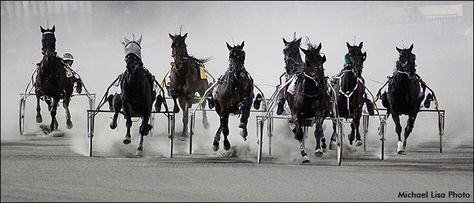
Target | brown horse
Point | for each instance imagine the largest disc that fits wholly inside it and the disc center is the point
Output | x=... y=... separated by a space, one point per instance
x=52 y=84
x=185 y=79
x=311 y=99
x=233 y=94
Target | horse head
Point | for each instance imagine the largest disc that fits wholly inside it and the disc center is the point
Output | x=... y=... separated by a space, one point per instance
x=133 y=56
x=48 y=42
x=314 y=61
x=406 y=60
x=178 y=47
x=292 y=55
x=236 y=57
x=356 y=57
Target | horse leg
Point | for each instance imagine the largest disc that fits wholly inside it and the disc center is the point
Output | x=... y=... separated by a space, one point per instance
x=319 y=136
x=39 y=118
x=117 y=106
x=175 y=107
x=217 y=137
x=398 y=130
x=245 y=111
x=53 y=110
x=409 y=128
x=145 y=127
x=185 y=105
x=332 y=144
x=68 y=113
x=225 y=130
x=205 y=122
x=355 y=127
x=128 y=124
x=299 y=135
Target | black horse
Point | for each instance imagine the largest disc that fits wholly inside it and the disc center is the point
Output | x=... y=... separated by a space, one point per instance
x=137 y=94
x=186 y=79
x=293 y=64
x=350 y=87
x=405 y=94
x=233 y=94
x=311 y=100
x=51 y=83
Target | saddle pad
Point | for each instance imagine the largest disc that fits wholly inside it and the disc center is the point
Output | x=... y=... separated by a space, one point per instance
x=202 y=72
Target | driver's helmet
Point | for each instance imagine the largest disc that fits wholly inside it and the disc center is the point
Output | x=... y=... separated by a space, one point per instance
x=68 y=57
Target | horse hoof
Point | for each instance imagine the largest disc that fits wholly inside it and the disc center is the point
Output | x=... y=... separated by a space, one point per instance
x=69 y=124
x=39 y=118
x=244 y=134
x=139 y=152
x=205 y=124
x=323 y=144
x=226 y=145
x=358 y=143
x=127 y=140
x=318 y=153
x=176 y=109
x=305 y=159
x=215 y=148
x=400 y=149
x=332 y=145
x=113 y=125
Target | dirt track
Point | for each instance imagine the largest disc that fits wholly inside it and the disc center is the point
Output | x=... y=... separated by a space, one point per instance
x=46 y=169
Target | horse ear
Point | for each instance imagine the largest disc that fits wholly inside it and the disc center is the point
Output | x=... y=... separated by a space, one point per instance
x=53 y=29
x=242 y=45
x=298 y=41
x=285 y=42
x=42 y=29
x=319 y=47
x=324 y=58
x=125 y=41
x=360 y=45
x=348 y=45
x=228 y=46
x=171 y=36
x=306 y=52
x=398 y=49
x=139 y=41
x=411 y=48
x=365 y=55
x=185 y=35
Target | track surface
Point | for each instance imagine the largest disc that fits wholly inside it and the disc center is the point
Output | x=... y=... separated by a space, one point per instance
x=46 y=169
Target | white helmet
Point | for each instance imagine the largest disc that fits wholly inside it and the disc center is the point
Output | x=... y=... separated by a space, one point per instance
x=68 y=57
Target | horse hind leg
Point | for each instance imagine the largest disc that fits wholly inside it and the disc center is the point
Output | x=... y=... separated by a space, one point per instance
x=332 y=143
x=68 y=113
x=217 y=137
x=225 y=131
x=144 y=130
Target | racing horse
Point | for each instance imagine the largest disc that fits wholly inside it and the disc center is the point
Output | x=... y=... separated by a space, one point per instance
x=311 y=98
x=293 y=63
x=186 y=78
x=405 y=94
x=350 y=87
x=52 y=83
x=136 y=95
x=233 y=94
